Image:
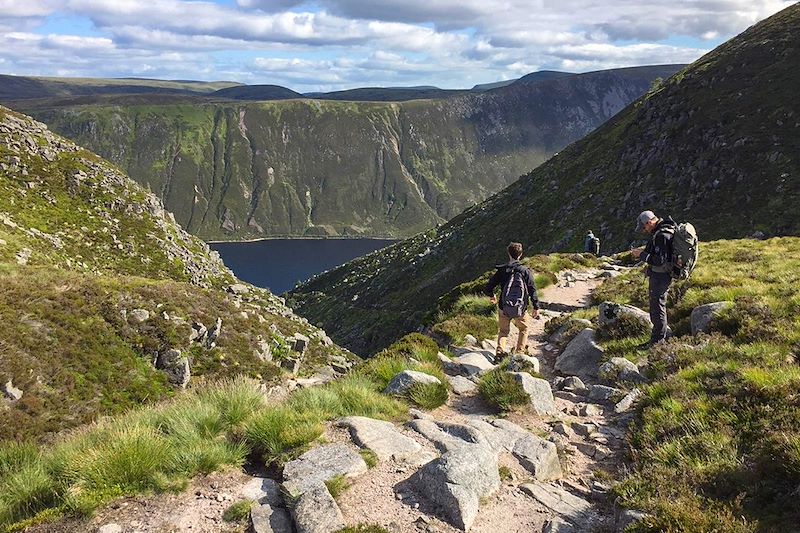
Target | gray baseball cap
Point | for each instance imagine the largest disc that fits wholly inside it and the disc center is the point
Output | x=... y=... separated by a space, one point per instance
x=644 y=218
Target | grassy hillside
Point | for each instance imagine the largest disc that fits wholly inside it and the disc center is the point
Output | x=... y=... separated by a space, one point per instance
x=97 y=282
x=325 y=168
x=256 y=92
x=716 y=446
x=714 y=144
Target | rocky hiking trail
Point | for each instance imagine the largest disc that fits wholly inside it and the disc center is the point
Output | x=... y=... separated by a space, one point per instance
x=460 y=467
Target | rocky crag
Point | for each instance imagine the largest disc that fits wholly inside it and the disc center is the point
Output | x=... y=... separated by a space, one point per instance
x=106 y=302
x=327 y=168
x=715 y=144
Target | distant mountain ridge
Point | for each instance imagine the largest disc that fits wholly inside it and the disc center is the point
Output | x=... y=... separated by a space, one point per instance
x=300 y=167
x=716 y=144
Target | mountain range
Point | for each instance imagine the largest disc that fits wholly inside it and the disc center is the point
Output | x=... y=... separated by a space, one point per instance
x=236 y=169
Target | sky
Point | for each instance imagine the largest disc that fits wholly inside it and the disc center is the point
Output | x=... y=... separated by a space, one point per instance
x=329 y=45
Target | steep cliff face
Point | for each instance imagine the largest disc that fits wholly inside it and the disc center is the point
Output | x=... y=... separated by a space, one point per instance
x=305 y=167
x=716 y=144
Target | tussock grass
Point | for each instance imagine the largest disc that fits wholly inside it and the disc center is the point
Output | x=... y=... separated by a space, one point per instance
x=498 y=388
x=364 y=528
x=238 y=512
x=716 y=447
x=428 y=395
x=337 y=485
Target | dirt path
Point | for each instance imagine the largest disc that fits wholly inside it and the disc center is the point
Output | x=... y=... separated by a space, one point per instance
x=382 y=495
x=371 y=499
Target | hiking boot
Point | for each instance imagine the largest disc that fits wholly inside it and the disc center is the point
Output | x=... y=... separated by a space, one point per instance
x=501 y=356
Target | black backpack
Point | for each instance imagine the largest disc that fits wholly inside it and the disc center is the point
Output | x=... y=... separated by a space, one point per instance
x=514 y=297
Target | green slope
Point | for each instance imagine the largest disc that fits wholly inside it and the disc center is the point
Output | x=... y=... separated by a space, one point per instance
x=82 y=247
x=715 y=144
x=308 y=167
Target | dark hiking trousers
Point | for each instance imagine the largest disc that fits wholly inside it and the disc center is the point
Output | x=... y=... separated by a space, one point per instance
x=659 y=286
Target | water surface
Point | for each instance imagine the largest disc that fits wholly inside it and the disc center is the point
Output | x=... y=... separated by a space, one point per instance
x=277 y=264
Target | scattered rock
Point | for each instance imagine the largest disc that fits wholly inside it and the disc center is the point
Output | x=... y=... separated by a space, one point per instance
x=557 y=525
x=523 y=363
x=458 y=480
x=402 y=382
x=319 y=465
x=620 y=369
x=703 y=316
x=567 y=505
x=316 y=511
x=214 y=333
x=239 y=289
x=581 y=357
x=461 y=385
x=291 y=365
x=602 y=393
x=198 y=332
x=139 y=315
x=611 y=313
x=11 y=392
x=470 y=340
x=381 y=437
x=590 y=409
x=629 y=517
x=175 y=366
x=264 y=491
x=268 y=519
x=575 y=385
x=539 y=457
x=538 y=390
x=583 y=429
x=110 y=528
x=474 y=363
x=562 y=428
x=628 y=401
x=300 y=343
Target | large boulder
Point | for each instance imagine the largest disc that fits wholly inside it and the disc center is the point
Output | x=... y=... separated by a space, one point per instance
x=402 y=382
x=703 y=316
x=175 y=366
x=581 y=357
x=620 y=369
x=628 y=401
x=319 y=465
x=11 y=392
x=474 y=363
x=457 y=481
x=263 y=491
x=381 y=437
x=447 y=436
x=538 y=456
x=562 y=502
x=539 y=392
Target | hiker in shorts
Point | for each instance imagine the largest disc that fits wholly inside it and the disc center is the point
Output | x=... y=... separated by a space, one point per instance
x=517 y=288
x=657 y=254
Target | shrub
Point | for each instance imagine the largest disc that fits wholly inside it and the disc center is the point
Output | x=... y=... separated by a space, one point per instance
x=499 y=388
x=625 y=326
x=428 y=395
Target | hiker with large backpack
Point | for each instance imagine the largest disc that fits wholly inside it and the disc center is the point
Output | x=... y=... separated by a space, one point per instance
x=516 y=289
x=671 y=253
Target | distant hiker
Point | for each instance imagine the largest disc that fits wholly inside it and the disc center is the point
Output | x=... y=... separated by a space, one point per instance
x=591 y=244
x=517 y=287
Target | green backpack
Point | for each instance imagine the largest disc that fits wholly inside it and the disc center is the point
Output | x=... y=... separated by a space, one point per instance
x=685 y=249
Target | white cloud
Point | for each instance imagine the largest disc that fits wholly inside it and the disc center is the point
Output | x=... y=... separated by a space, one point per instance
x=333 y=44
